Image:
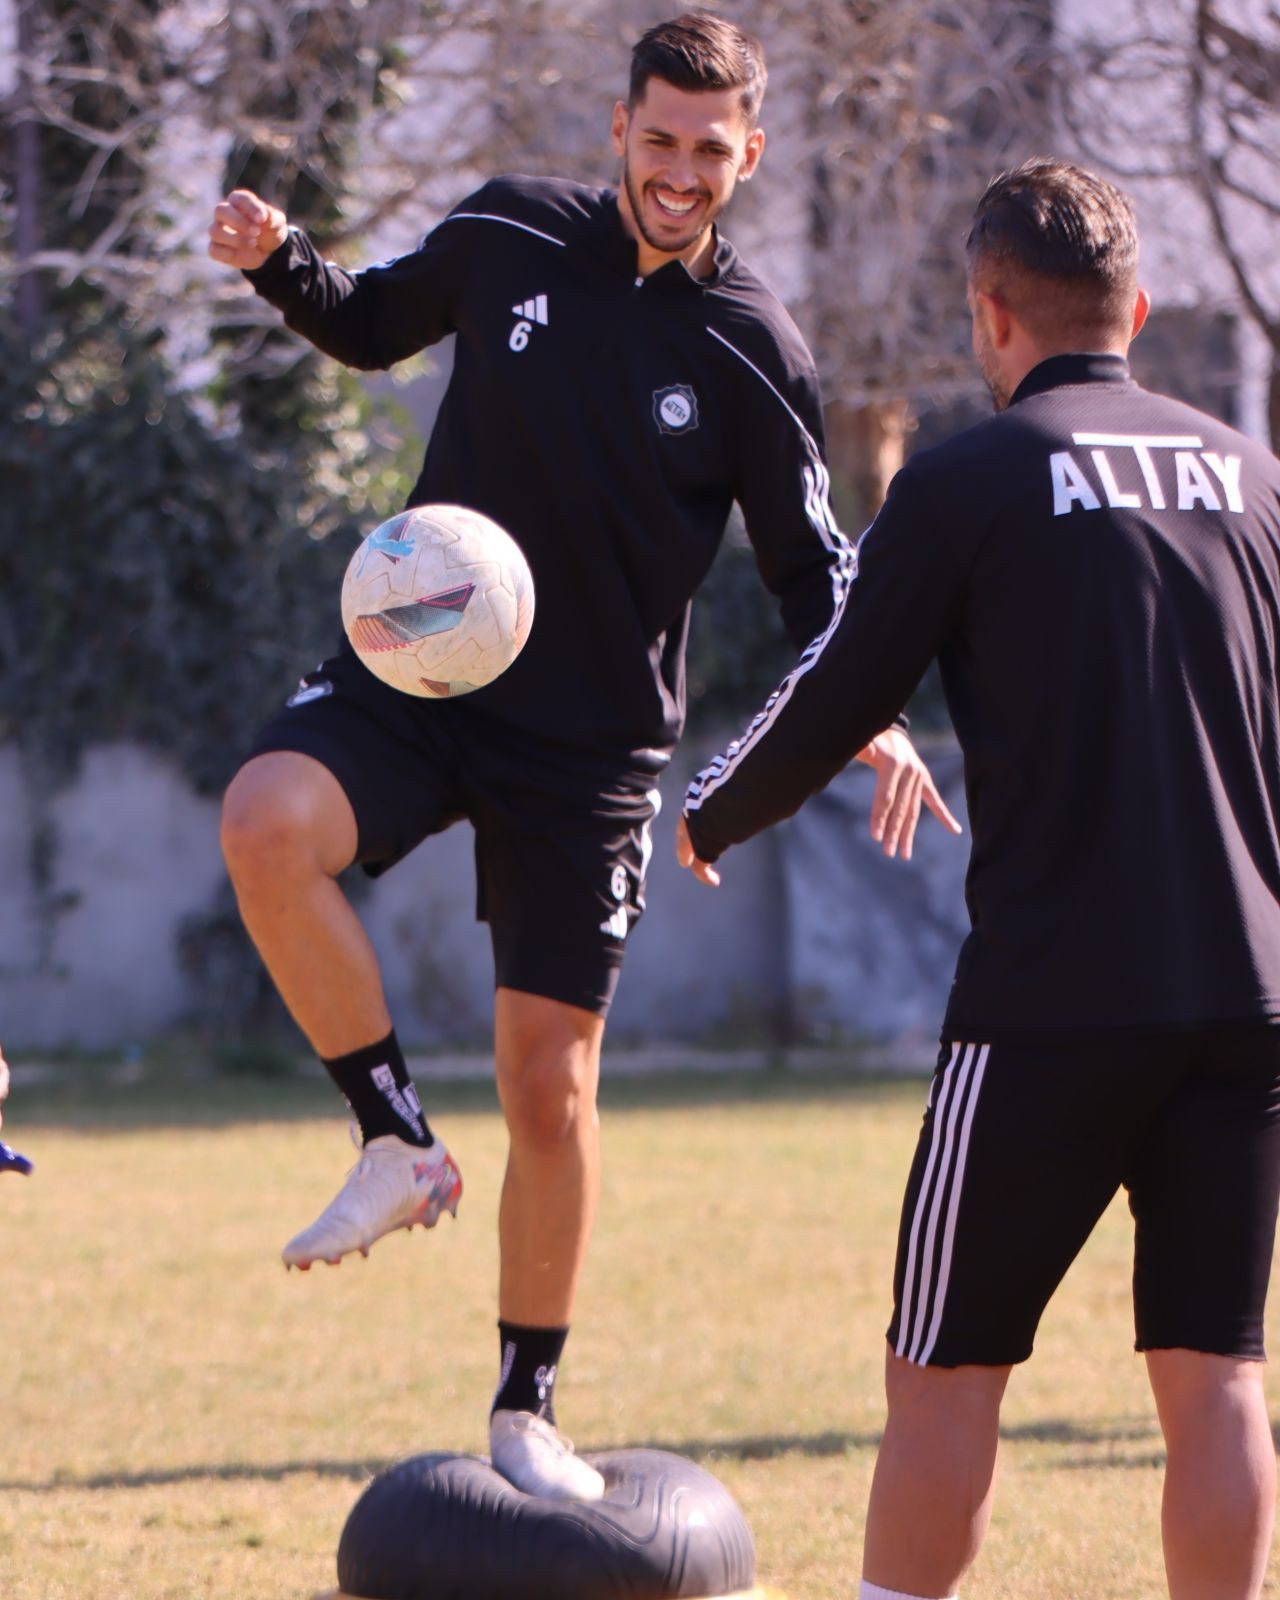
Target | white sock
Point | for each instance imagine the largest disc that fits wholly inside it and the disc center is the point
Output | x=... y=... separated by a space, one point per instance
x=873 y=1591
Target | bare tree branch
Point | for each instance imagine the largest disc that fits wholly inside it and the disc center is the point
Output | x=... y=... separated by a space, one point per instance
x=1203 y=125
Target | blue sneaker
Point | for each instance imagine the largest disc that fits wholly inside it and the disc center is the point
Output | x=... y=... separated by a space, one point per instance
x=12 y=1161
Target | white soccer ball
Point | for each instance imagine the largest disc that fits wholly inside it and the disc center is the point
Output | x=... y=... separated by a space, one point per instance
x=438 y=601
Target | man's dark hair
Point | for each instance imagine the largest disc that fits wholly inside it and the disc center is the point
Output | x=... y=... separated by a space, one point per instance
x=1059 y=246
x=699 y=51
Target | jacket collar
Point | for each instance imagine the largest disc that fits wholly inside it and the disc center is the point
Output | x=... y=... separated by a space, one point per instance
x=610 y=240
x=1057 y=371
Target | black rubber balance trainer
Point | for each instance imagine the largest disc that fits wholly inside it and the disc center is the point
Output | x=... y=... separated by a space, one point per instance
x=448 y=1527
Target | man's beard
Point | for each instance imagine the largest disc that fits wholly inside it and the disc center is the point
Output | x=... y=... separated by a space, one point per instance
x=636 y=197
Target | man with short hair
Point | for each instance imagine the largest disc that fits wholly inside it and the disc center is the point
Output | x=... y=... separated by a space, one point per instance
x=1097 y=570
x=620 y=379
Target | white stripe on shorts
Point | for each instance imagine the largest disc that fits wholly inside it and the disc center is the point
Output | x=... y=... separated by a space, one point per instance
x=938 y=1203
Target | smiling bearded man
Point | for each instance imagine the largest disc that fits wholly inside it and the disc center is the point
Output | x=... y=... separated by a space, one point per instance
x=620 y=379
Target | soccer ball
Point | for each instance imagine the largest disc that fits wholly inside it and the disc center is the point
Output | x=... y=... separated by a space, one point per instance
x=438 y=601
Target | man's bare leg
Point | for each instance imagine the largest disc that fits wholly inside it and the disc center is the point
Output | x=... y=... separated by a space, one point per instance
x=1220 y=1482
x=287 y=832
x=548 y=1063
x=934 y=1481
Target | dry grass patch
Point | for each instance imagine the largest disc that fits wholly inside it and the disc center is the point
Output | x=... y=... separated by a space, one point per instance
x=184 y=1419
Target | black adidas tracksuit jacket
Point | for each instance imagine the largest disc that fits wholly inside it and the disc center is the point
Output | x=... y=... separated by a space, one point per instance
x=608 y=422
x=1097 y=569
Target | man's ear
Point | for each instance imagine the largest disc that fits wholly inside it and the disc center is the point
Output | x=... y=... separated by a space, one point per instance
x=618 y=128
x=1141 y=308
x=995 y=317
x=755 y=149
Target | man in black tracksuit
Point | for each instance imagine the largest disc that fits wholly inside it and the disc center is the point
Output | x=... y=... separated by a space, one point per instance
x=1097 y=570
x=620 y=379
x=607 y=419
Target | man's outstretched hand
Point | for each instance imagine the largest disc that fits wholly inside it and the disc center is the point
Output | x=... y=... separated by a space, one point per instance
x=903 y=785
x=246 y=230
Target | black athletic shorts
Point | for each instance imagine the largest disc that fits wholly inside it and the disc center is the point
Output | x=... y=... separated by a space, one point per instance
x=560 y=852
x=1022 y=1149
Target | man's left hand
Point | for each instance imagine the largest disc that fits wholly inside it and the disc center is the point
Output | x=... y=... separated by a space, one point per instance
x=903 y=784
x=703 y=871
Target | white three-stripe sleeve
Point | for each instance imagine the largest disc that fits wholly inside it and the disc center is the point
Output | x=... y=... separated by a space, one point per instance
x=848 y=685
x=784 y=491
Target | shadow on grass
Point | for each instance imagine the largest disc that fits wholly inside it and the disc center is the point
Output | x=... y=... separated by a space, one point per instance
x=1103 y=1434
x=227 y=1472
x=1150 y=1459
x=94 y=1101
x=1096 y=1448
x=707 y=1452
x=1064 y=1431
x=762 y=1447
x=1135 y=1431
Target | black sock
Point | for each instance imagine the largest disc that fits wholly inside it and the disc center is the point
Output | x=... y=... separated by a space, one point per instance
x=527 y=1380
x=376 y=1083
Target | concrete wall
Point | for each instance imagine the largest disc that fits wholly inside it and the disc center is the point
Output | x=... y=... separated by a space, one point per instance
x=811 y=929
x=135 y=852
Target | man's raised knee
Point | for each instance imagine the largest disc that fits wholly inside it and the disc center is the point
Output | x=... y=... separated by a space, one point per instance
x=284 y=813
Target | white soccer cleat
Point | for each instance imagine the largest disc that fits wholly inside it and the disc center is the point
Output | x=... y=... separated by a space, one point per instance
x=393 y=1185
x=532 y=1456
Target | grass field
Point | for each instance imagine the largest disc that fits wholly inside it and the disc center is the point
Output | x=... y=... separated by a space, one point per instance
x=182 y=1418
